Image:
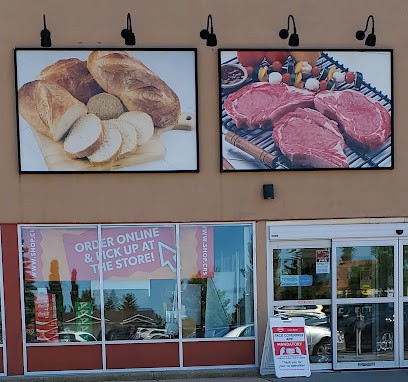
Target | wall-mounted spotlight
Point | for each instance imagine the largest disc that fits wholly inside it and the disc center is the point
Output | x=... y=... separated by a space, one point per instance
x=371 y=39
x=127 y=33
x=45 y=35
x=208 y=34
x=268 y=192
x=294 y=37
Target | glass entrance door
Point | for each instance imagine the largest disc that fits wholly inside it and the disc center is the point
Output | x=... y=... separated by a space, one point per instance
x=301 y=287
x=365 y=303
x=403 y=302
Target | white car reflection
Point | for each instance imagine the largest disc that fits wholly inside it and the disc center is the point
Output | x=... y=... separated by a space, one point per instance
x=318 y=334
x=72 y=336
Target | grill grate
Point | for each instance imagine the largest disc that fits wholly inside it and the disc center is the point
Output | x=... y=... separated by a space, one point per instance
x=380 y=158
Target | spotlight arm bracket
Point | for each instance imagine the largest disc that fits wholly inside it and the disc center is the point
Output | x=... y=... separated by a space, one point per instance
x=290 y=17
x=372 y=21
x=129 y=22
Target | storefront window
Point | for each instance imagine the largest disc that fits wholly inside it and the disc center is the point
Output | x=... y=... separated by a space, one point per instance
x=61 y=288
x=140 y=282
x=65 y=267
x=216 y=281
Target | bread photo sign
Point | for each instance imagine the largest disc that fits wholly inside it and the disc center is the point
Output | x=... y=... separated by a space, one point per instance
x=106 y=110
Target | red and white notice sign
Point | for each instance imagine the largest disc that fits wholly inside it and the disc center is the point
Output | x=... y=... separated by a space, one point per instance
x=289 y=345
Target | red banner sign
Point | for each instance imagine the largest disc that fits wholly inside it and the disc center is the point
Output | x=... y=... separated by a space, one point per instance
x=46 y=325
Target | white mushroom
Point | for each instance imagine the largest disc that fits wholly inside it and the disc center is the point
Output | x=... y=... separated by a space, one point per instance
x=275 y=78
x=312 y=84
x=339 y=77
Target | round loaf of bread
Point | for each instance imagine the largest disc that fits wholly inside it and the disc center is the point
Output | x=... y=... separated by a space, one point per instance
x=111 y=145
x=105 y=106
x=84 y=137
x=142 y=123
x=128 y=133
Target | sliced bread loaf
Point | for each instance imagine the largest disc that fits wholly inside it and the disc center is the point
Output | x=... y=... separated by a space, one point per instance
x=111 y=145
x=105 y=106
x=84 y=137
x=49 y=108
x=129 y=136
x=142 y=123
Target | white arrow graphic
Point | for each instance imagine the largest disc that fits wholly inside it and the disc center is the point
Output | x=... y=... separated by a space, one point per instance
x=167 y=261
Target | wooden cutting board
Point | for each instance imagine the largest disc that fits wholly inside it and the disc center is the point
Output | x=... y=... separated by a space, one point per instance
x=56 y=159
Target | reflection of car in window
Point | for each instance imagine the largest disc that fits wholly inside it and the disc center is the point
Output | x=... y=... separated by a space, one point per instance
x=302 y=310
x=76 y=337
x=318 y=331
x=376 y=324
x=241 y=331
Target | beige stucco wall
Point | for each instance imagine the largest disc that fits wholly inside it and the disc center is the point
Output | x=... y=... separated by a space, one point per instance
x=207 y=195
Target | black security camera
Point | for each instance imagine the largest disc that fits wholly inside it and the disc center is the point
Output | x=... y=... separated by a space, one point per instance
x=399 y=231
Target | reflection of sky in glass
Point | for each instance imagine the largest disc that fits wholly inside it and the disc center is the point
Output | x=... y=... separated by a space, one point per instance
x=229 y=240
x=358 y=254
x=231 y=257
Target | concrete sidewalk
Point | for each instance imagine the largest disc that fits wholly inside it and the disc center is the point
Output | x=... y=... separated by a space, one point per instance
x=399 y=375
x=392 y=375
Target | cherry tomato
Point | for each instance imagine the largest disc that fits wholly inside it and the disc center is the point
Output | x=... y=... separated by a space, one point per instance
x=315 y=71
x=286 y=78
x=250 y=70
x=323 y=85
x=250 y=57
x=350 y=77
x=276 y=66
x=276 y=55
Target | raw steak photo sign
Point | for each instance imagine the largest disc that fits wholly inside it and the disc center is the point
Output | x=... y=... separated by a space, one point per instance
x=303 y=110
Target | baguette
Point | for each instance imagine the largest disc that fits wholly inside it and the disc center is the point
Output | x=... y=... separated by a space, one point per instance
x=136 y=85
x=49 y=108
x=73 y=75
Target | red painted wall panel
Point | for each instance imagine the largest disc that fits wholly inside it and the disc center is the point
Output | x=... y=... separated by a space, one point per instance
x=214 y=353
x=11 y=277
x=144 y=355
x=1 y=361
x=68 y=357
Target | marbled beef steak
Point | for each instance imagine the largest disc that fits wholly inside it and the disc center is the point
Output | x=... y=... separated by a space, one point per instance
x=261 y=102
x=306 y=137
x=365 y=121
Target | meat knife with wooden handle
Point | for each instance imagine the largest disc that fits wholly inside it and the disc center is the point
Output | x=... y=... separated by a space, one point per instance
x=250 y=148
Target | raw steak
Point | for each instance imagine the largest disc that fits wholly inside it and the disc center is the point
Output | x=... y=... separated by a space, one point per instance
x=308 y=138
x=365 y=122
x=258 y=103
